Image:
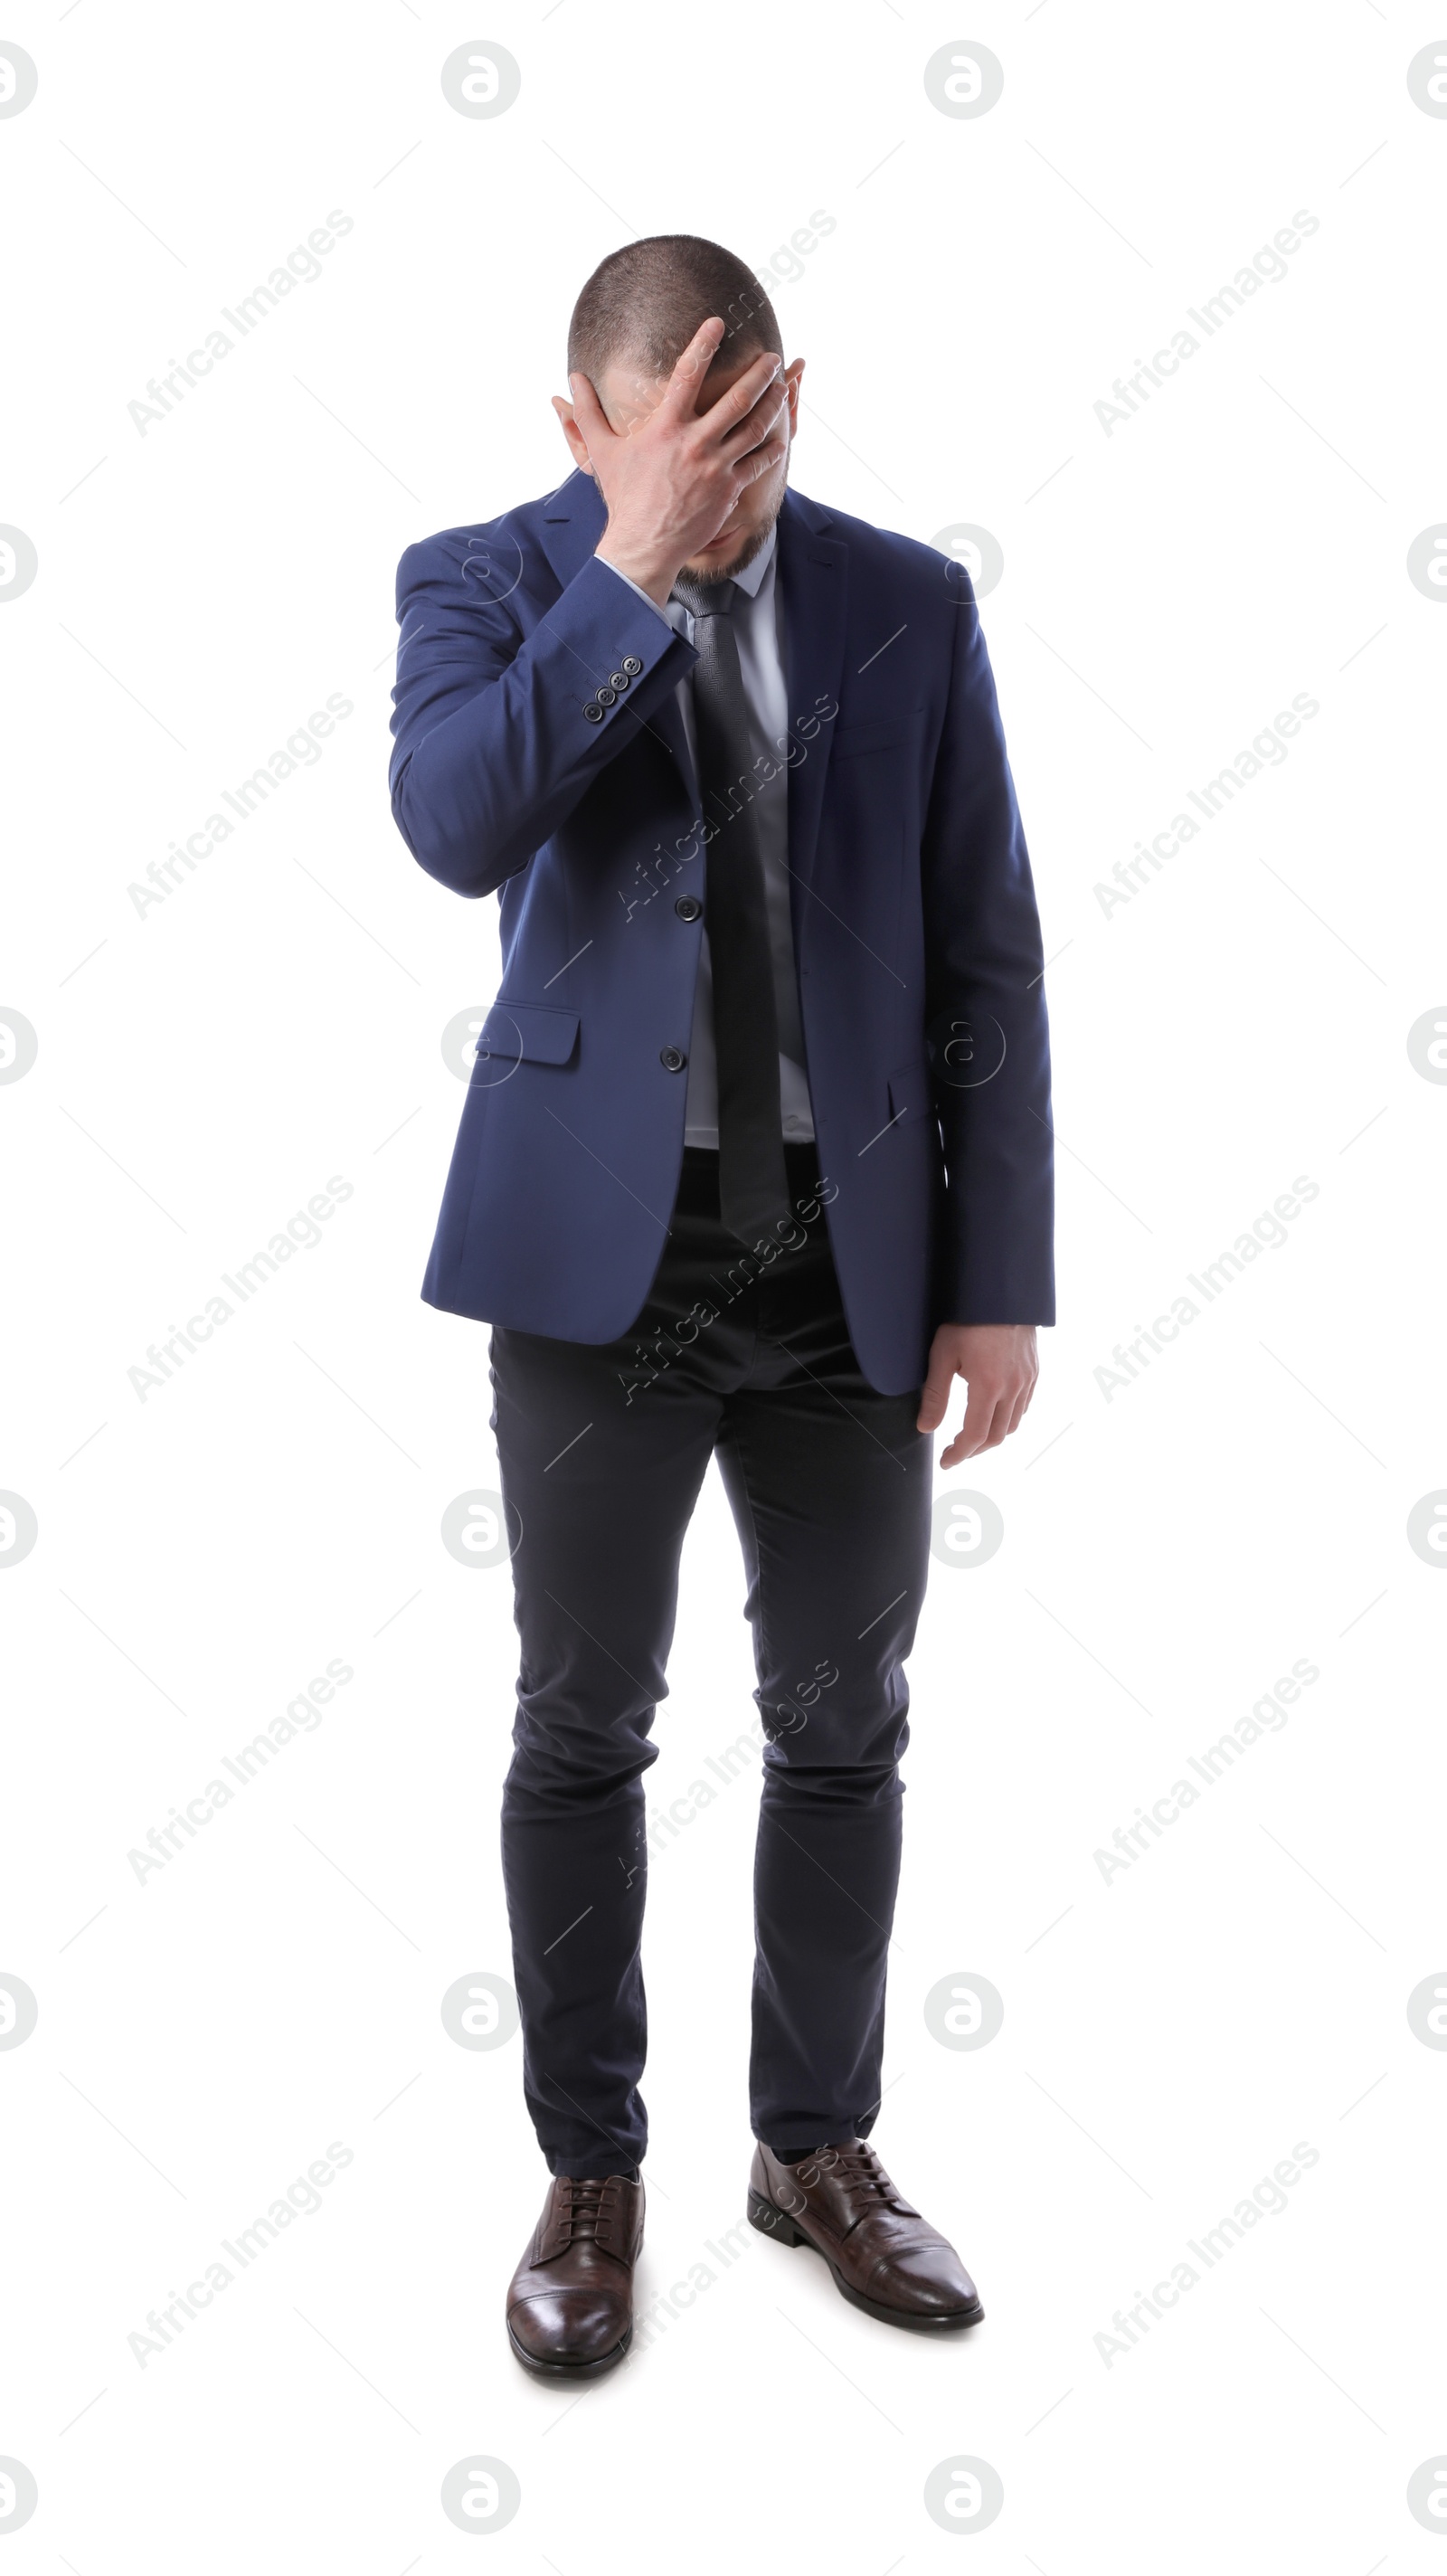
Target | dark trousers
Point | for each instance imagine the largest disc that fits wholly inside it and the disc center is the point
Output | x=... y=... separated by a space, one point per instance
x=603 y=1449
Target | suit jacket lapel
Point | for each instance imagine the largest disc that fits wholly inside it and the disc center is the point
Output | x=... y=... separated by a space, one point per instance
x=814 y=570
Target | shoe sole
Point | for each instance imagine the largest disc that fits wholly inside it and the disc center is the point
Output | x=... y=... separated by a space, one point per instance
x=570 y=2369
x=776 y=2223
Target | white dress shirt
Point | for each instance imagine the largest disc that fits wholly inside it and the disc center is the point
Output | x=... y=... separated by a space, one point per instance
x=758 y=624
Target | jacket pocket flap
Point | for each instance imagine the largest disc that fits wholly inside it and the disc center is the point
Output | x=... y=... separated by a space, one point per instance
x=514 y=1030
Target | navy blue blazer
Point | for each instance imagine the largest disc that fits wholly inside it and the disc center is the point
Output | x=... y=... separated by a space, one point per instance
x=540 y=754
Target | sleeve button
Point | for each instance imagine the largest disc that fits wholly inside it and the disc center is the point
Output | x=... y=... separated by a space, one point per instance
x=606 y=697
x=632 y=666
x=593 y=713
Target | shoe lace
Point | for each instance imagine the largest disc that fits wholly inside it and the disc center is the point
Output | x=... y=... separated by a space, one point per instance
x=859 y=2173
x=579 y=2219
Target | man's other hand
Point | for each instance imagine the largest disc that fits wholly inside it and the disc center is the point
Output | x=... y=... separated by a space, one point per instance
x=999 y=1364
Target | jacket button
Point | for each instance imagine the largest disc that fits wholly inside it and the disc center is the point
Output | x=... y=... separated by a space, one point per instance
x=632 y=666
x=617 y=679
x=672 y=1059
x=606 y=697
x=593 y=713
x=688 y=907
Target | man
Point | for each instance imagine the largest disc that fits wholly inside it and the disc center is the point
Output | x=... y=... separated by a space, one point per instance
x=755 y=1161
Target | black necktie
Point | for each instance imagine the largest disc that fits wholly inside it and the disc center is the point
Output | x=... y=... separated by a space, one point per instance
x=752 y=1177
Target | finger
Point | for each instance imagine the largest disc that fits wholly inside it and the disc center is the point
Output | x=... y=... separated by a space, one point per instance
x=732 y=407
x=934 y=1399
x=680 y=395
x=1019 y=1409
x=998 y=1426
x=764 y=416
x=998 y=1430
x=761 y=460
x=973 y=1433
x=588 y=412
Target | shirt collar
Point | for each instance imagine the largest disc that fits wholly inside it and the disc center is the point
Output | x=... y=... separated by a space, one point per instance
x=751 y=580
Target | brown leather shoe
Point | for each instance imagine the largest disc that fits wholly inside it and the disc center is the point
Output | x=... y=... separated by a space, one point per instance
x=570 y=2304
x=885 y=2258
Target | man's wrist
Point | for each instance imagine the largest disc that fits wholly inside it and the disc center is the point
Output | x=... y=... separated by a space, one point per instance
x=647 y=572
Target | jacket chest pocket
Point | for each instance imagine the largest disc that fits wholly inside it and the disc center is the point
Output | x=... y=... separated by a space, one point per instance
x=875 y=733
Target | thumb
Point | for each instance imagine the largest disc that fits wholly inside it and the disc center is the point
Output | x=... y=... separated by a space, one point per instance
x=935 y=1395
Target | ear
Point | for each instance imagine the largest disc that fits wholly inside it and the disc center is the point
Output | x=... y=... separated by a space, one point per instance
x=793 y=375
x=577 y=444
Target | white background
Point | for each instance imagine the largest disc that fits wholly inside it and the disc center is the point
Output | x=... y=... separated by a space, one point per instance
x=205 y=1067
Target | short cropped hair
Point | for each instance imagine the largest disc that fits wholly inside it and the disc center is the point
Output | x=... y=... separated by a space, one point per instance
x=645 y=303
